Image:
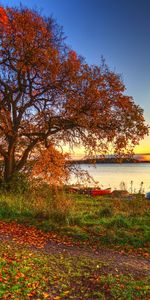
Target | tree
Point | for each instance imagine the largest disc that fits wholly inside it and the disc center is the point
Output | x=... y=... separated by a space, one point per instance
x=50 y=95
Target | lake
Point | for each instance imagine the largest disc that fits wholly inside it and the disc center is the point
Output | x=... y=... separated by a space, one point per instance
x=113 y=175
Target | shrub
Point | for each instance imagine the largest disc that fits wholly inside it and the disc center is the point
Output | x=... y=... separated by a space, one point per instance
x=40 y=188
x=18 y=184
x=4 y=209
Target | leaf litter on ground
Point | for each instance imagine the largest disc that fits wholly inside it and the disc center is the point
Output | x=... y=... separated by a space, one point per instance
x=33 y=268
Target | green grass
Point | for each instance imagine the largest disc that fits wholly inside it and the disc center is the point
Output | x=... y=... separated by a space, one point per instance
x=25 y=274
x=103 y=220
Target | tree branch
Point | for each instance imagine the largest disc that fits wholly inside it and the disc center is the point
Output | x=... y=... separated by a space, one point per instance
x=23 y=160
x=3 y=152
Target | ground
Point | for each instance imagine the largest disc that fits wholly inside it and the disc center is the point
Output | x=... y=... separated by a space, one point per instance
x=38 y=265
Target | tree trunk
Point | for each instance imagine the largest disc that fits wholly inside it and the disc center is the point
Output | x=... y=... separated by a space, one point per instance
x=8 y=168
x=9 y=162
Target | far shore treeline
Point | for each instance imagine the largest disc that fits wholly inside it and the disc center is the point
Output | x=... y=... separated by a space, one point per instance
x=113 y=160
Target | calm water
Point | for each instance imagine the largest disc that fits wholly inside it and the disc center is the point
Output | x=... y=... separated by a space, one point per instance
x=111 y=175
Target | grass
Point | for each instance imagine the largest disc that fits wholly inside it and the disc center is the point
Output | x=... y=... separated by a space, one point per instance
x=104 y=220
x=117 y=222
x=26 y=274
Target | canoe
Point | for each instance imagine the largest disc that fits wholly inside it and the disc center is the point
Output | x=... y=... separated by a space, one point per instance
x=101 y=192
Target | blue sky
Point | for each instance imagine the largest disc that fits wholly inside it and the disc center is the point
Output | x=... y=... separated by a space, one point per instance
x=117 y=29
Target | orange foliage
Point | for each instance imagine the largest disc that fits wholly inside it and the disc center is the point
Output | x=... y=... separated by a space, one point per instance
x=51 y=166
x=3 y=17
x=73 y=55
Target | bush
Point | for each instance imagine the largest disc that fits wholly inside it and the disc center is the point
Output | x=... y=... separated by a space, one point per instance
x=40 y=188
x=18 y=184
x=4 y=209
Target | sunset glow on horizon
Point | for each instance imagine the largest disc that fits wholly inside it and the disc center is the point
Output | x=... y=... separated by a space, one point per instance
x=144 y=157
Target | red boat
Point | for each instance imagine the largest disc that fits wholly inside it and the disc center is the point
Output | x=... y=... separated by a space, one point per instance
x=101 y=192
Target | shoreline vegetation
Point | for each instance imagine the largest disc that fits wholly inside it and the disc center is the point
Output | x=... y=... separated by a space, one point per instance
x=76 y=212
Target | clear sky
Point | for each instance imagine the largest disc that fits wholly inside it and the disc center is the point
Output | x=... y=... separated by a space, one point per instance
x=117 y=29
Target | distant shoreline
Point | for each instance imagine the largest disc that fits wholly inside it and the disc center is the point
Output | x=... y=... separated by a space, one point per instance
x=96 y=161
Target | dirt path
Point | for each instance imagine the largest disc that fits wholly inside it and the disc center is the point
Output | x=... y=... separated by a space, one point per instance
x=114 y=262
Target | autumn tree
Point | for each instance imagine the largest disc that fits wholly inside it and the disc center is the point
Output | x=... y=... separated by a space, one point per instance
x=49 y=95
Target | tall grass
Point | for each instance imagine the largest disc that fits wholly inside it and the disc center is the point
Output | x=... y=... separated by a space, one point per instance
x=37 y=201
x=117 y=220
